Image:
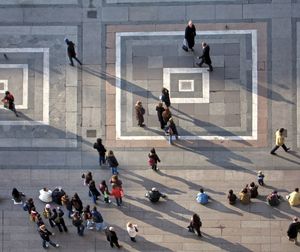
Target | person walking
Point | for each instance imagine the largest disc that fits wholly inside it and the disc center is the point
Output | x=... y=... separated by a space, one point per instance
x=166 y=115
x=195 y=224
x=172 y=130
x=205 y=57
x=190 y=34
x=9 y=102
x=279 y=141
x=139 y=112
x=67 y=204
x=112 y=162
x=94 y=193
x=153 y=159
x=104 y=190
x=87 y=178
x=101 y=150
x=98 y=219
x=88 y=218
x=231 y=197
x=260 y=178
x=165 y=97
x=45 y=235
x=59 y=219
x=47 y=213
x=28 y=205
x=78 y=223
x=71 y=52
x=160 y=109
x=117 y=192
x=293 y=230
x=132 y=231
x=77 y=203
x=112 y=237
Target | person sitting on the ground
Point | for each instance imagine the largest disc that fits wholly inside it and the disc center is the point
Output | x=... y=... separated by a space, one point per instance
x=154 y=195
x=294 y=198
x=17 y=196
x=45 y=195
x=273 y=199
x=231 y=197
x=202 y=197
x=57 y=193
x=245 y=196
x=253 y=190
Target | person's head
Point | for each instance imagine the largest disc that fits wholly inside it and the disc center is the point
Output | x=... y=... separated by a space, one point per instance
x=99 y=140
x=252 y=184
x=259 y=173
x=30 y=200
x=111 y=229
x=103 y=182
x=94 y=208
x=89 y=174
x=7 y=93
x=45 y=189
x=196 y=217
x=295 y=219
x=190 y=23
x=129 y=224
x=160 y=104
x=110 y=153
x=54 y=210
x=201 y=190
x=114 y=178
x=245 y=190
x=76 y=196
x=204 y=44
x=92 y=182
x=164 y=90
x=297 y=189
x=230 y=192
x=281 y=130
x=42 y=227
x=66 y=40
x=138 y=103
x=154 y=189
x=274 y=192
x=15 y=191
x=48 y=206
x=152 y=151
x=171 y=121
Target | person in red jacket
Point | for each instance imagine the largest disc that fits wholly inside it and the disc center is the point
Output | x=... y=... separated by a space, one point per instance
x=117 y=192
x=9 y=102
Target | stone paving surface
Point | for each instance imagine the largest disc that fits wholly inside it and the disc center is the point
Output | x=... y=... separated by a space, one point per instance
x=224 y=142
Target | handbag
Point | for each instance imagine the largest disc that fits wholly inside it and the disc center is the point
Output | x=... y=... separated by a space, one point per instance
x=151 y=161
x=184 y=45
x=136 y=230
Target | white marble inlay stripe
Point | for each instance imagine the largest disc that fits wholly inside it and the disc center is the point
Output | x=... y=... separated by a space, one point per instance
x=5 y=86
x=252 y=32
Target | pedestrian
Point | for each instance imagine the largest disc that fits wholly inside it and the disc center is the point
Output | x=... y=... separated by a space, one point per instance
x=153 y=159
x=205 y=57
x=93 y=192
x=29 y=204
x=101 y=151
x=195 y=225
x=154 y=195
x=172 y=130
x=202 y=197
x=104 y=190
x=165 y=97
x=111 y=237
x=189 y=35
x=166 y=115
x=33 y=214
x=45 y=235
x=9 y=102
x=245 y=196
x=160 y=109
x=47 y=213
x=117 y=192
x=39 y=221
x=112 y=162
x=273 y=199
x=59 y=219
x=88 y=218
x=279 y=141
x=87 y=178
x=17 y=196
x=78 y=223
x=139 y=112
x=115 y=180
x=231 y=197
x=132 y=231
x=260 y=178
x=293 y=230
x=72 y=52
x=294 y=197
x=77 y=203
x=98 y=219
x=67 y=204
x=253 y=190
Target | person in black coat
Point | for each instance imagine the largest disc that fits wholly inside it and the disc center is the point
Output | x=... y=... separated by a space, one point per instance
x=71 y=52
x=112 y=237
x=154 y=195
x=58 y=219
x=195 y=224
x=77 y=203
x=153 y=159
x=57 y=193
x=101 y=150
x=93 y=191
x=190 y=34
x=112 y=162
x=293 y=230
x=205 y=57
x=17 y=196
x=45 y=235
x=160 y=109
x=165 y=97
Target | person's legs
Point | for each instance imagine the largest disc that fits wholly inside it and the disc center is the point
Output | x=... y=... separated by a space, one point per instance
x=77 y=60
x=118 y=201
x=63 y=224
x=285 y=148
x=51 y=222
x=94 y=198
x=121 y=201
x=133 y=239
x=71 y=61
x=170 y=139
x=13 y=109
x=198 y=232
x=274 y=149
x=59 y=227
x=101 y=160
x=210 y=67
x=117 y=244
x=53 y=243
x=200 y=63
x=45 y=244
x=81 y=230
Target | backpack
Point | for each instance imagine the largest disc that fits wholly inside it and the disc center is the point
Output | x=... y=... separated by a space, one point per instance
x=25 y=207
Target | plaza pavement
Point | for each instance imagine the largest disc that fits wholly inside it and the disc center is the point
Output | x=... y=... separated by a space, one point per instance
x=130 y=49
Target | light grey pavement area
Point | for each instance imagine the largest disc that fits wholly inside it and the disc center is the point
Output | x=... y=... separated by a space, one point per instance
x=254 y=90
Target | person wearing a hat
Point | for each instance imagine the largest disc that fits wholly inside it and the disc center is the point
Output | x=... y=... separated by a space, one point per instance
x=154 y=195
x=47 y=213
x=45 y=235
x=112 y=237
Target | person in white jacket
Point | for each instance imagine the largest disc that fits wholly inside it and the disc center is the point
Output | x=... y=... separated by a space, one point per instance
x=132 y=231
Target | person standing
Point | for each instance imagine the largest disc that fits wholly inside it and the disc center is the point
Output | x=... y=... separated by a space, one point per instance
x=45 y=235
x=101 y=150
x=153 y=159
x=47 y=213
x=77 y=203
x=112 y=237
x=172 y=130
x=59 y=219
x=93 y=191
x=160 y=109
x=112 y=162
x=293 y=230
x=205 y=57
x=78 y=223
x=132 y=231
x=190 y=34
x=29 y=205
x=260 y=178
x=87 y=178
x=104 y=190
x=98 y=219
x=195 y=224
x=67 y=204
x=117 y=193
x=166 y=115
x=165 y=97
x=139 y=112
x=87 y=217
x=9 y=102
x=279 y=141
x=72 y=52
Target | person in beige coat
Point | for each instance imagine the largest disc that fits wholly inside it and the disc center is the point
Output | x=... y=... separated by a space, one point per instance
x=132 y=231
x=279 y=141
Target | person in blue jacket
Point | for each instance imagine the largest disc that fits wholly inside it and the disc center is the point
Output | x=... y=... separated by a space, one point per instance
x=202 y=197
